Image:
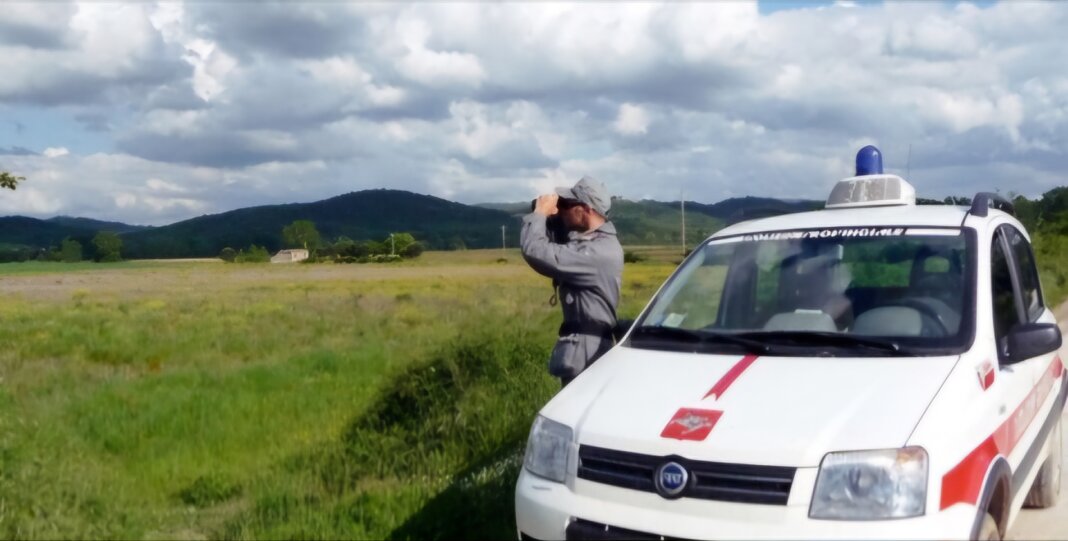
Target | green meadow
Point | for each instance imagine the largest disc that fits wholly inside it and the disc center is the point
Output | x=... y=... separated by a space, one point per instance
x=186 y=400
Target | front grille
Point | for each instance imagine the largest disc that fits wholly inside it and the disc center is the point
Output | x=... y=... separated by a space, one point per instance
x=710 y=480
x=580 y=529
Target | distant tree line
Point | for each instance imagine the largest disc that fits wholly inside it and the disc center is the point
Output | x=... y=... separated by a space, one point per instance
x=105 y=247
x=303 y=234
x=1046 y=219
x=1047 y=214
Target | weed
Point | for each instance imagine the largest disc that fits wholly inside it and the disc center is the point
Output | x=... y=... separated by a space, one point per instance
x=208 y=490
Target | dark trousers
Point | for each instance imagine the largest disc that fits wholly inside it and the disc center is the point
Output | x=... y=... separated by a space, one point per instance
x=606 y=345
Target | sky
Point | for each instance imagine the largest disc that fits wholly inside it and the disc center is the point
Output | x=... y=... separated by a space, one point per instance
x=151 y=113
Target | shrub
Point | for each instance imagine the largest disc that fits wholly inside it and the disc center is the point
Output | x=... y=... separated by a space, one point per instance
x=228 y=254
x=412 y=250
x=633 y=257
x=255 y=254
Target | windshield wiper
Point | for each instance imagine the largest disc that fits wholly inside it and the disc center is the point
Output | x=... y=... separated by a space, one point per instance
x=698 y=337
x=822 y=338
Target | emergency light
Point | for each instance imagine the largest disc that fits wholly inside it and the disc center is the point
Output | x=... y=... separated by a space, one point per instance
x=870 y=187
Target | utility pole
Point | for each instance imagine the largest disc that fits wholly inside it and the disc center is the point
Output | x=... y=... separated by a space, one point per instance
x=392 y=246
x=504 y=247
x=682 y=208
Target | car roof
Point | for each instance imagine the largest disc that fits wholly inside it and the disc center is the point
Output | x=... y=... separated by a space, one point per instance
x=887 y=216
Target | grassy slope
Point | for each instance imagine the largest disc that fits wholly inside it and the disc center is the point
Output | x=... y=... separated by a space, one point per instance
x=312 y=401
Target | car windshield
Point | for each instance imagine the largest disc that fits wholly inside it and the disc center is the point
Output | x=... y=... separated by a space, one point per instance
x=847 y=291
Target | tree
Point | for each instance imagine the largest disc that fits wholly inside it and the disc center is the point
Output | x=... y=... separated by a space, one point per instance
x=361 y=249
x=345 y=247
x=9 y=181
x=301 y=233
x=108 y=246
x=70 y=251
x=412 y=250
x=401 y=241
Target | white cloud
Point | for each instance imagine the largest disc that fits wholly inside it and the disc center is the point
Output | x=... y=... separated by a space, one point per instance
x=211 y=107
x=632 y=120
x=210 y=64
x=477 y=135
x=160 y=185
x=434 y=68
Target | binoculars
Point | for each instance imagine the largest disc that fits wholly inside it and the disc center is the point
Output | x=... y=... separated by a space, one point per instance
x=554 y=225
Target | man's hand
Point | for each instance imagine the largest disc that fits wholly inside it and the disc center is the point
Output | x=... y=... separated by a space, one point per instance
x=546 y=205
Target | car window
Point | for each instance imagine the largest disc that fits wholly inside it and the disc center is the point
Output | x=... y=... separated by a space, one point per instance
x=1003 y=295
x=886 y=283
x=695 y=294
x=1025 y=267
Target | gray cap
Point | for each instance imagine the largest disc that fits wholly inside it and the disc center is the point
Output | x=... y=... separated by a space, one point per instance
x=591 y=192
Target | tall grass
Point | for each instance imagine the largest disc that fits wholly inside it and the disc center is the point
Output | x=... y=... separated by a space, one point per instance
x=435 y=454
x=207 y=401
x=1051 y=255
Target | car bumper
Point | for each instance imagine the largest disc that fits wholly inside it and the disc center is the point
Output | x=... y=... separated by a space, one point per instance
x=546 y=510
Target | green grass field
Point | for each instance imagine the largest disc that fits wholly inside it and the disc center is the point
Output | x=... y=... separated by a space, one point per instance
x=176 y=400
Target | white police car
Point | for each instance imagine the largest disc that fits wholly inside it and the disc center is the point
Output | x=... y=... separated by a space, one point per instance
x=876 y=369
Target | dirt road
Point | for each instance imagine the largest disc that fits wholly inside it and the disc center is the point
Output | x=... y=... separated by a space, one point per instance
x=1049 y=523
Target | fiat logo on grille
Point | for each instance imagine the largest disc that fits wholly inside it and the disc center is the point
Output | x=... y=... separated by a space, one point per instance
x=671 y=479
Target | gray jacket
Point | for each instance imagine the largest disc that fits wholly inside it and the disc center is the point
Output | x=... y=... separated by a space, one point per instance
x=589 y=270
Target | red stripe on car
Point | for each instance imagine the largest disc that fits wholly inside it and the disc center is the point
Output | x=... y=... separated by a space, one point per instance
x=963 y=482
x=725 y=382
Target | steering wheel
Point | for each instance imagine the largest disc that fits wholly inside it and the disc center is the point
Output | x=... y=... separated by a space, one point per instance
x=925 y=310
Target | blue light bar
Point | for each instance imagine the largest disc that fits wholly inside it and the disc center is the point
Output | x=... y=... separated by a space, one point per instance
x=869 y=161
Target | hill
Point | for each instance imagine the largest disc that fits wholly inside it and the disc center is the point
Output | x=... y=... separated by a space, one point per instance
x=96 y=225
x=642 y=222
x=22 y=231
x=373 y=215
x=737 y=209
x=22 y=238
x=364 y=215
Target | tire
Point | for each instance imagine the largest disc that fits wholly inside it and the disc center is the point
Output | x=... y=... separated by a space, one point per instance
x=1047 y=486
x=989 y=530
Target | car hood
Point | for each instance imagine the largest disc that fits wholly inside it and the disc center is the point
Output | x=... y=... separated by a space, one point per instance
x=787 y=411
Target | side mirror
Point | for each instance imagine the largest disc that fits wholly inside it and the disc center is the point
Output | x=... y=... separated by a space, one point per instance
x=1029 y=340
x=621 y=328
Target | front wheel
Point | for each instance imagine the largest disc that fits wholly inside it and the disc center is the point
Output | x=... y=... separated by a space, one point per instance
x=1047 y=486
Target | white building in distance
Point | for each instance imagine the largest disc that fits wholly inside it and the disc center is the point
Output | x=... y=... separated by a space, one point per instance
x=290 y=256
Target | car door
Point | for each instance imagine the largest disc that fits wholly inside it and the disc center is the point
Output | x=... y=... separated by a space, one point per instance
x=1017 y=299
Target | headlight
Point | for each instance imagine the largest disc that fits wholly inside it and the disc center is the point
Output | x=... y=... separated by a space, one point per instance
x=547 y=449
x=865 y=485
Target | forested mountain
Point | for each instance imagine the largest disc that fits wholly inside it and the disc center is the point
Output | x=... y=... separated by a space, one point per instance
x=373 y=215
x=369 y=214
x=441 y=224
x=24 y=232
x=96 y=225
x=737 y=209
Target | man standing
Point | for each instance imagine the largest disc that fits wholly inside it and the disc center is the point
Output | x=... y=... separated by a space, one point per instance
x=587 y=272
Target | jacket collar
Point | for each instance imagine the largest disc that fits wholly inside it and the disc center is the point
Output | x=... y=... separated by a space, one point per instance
x=607 y=228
